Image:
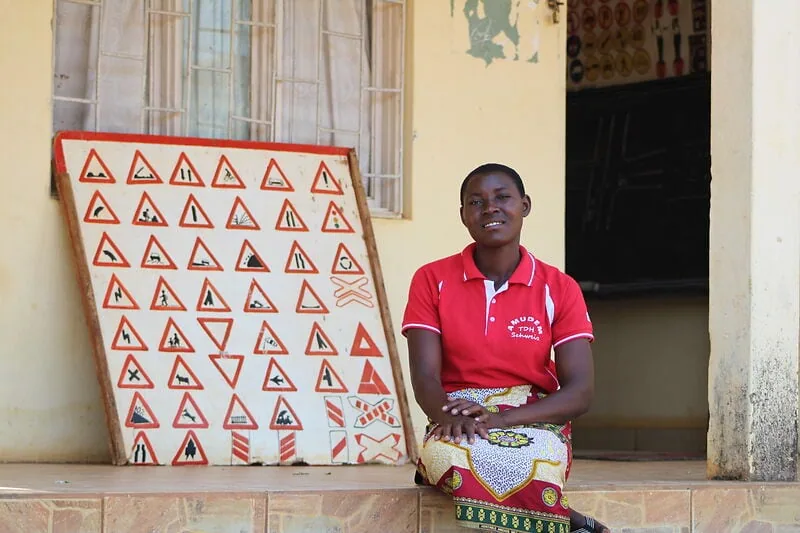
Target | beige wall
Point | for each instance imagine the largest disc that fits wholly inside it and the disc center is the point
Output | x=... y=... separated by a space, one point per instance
x=461 y=113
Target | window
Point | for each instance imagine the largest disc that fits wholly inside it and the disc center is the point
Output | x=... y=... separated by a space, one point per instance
x=302 y=71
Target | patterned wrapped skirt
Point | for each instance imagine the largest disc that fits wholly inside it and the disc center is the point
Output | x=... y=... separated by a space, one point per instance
x=511 y=482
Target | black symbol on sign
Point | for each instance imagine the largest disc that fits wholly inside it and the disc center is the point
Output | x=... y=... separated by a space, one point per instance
x=140 y=450
x=117 y=294
x=126 y=336
x=133 y=375
x=257 y=304
x=277 y=380
x=138 y=176
x=190 y=450
x=209 y=300
x=299 y=262
x=187 y=414
x=164 y=297
x=188 y=174
x=194 y=214
x=228 y=176
x=138 y=416
x=345 y=263
x=321 y=344
x=204 y=262
x=155 y=258
x=97 y=211
x=145 y=216
x=181 y=379
x=238 y=419
x=252 y=262
x=241 y=220
x=174 y=341
x=327 y=377
x=270 y=341
x=290 y=220
x=284 y=419
x=111 y=256
x=93 y=175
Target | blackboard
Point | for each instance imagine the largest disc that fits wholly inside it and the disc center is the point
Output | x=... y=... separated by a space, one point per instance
x=638 y=174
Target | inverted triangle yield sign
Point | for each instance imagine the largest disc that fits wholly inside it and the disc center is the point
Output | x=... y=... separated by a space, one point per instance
x=217 y=329
x=229 y=366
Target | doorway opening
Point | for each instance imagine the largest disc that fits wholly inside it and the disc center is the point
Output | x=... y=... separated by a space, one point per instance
x=638 y=173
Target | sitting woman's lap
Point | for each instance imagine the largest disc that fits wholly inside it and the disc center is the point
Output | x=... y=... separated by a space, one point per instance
x=511 y=482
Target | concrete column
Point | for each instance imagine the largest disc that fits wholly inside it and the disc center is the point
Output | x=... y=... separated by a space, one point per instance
x=755 y=240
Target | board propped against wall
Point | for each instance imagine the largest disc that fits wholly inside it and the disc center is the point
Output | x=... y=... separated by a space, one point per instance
x=235 y=301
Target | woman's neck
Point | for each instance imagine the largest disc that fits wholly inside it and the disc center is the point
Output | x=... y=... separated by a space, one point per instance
x=497 y=264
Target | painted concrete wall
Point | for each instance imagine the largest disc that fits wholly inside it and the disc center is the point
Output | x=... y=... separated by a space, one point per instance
x=461 y=113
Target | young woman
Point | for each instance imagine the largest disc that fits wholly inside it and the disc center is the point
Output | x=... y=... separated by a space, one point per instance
x=480 y=327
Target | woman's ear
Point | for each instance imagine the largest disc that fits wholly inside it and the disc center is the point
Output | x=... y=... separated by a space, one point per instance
x=526 y=205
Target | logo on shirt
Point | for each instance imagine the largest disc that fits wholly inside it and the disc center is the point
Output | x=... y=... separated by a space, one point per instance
x=525 y=327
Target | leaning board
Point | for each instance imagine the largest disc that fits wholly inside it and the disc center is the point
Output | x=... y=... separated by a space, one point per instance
x=235 y=301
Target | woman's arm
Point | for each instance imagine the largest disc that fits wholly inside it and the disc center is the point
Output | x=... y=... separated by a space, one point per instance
x=425 y=358
x=575 y=370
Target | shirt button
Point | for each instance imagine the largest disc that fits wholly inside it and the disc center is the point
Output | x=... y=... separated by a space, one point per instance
x=491 y=319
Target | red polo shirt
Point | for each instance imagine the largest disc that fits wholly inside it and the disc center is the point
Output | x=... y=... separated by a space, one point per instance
x=497 y=338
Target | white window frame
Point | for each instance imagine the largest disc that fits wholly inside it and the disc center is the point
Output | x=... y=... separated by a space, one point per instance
x=384 y=188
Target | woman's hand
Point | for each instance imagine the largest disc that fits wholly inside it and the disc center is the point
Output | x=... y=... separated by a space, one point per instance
x=464 y=407
x=457 y=428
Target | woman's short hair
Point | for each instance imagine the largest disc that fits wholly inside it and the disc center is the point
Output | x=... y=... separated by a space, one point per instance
x=488 y=168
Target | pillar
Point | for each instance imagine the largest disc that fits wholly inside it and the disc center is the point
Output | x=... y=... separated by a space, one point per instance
x=754 y=299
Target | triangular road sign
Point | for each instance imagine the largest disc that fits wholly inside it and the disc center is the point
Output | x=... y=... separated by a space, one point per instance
x=284 y=417
x=319 y=343
x=182 y=377
x=309 y=302
x=238 y=417
x=117 y=296
x=99 y=212
x=147 y=214
x=344 y=262
x=140 y=415
x=217 y=329
x=241 y=217
x=174 y=340
x=142 y=172
x=142 y=453
x=133 y=375
x=257 y=300
x=165 y=299
x=95 y=170
x=363 y=345
x=155 y=256
x=275 y=179
x=210 y=300
x=127 y=338
x=276 y=379
x=268 y=342
x=371 y=382
x=324 y=182
x=189 y=415
x=335 y=221
x=229 y=366
x=289 y=219
x=201 y=258
x=108 y=255
x=249 y=259
x=298 y=261
x=190 y=452
x=194 y=216
x=328 y=380
x=226 y=177
x=185 y=173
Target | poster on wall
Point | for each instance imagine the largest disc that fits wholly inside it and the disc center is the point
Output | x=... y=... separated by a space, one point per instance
x=612 y=42
x=235 y=302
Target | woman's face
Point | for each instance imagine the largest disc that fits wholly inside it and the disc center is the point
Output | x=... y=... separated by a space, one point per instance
x=493 y=209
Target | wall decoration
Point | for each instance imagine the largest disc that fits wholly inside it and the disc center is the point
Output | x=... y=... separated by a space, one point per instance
x=499 y=30
x=235 y=302
x=634 y=40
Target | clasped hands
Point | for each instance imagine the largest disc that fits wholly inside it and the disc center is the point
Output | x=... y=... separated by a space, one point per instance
x=463 y=419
